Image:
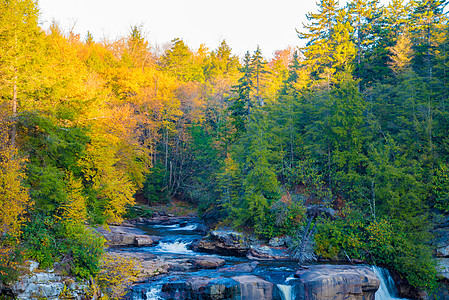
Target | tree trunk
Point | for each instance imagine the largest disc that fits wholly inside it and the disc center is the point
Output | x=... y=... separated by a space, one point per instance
x=14 y=114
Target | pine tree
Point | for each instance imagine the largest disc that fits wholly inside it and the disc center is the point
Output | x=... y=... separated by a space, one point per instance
x=329 y=48
x=258 y=65
x=364 y=18
x=242 y=104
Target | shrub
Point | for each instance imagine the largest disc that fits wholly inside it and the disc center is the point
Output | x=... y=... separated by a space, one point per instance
x=116 y=275
x=10 y=264
x=77 y=248
x=379 y=241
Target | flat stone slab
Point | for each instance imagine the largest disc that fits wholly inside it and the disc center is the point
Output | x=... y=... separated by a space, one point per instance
x=339 y=282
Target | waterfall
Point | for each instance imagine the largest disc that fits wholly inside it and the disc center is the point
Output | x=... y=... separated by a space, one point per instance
x=387 y=289
x=286 y=291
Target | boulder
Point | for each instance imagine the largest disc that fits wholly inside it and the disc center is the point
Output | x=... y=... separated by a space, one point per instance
x=208 y=262
x=276 y=242
x=441 y=242
x=285 y=241
x=241 y=268
x=225 y=242
x=196 y=287
x=142 y=240
x=254 y=287
x=122 y=236
x=260 y=252
x=337 y=282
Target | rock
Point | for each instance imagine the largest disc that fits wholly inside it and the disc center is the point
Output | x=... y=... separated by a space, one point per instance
x=142 y=240
x=208 y=262
x=45 y=285
x=259 y=252
x=405 y=289
x=196 y=287
x=32 y=265
x=169 y=219
x=284 y=241
x=337 y=282
x=276 y=242
x=443 y=264
x=441 y=241
x=122 y=236
x=148 y=265
x=178 y=288
x=253 y=287
x=241 y=268
x=225 y=242
x=155 y=238
x=201 y=229
x=222 y=288
x=181 y=266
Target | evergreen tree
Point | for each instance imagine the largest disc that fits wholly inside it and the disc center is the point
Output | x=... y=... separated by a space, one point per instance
x=365 y=20
x=179 y=61
x=258 y=66
x=329 y=48
x=242 y=104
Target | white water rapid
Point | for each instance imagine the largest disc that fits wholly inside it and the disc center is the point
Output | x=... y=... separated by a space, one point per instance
x=387 y=288
x=153 y=294
x=177 y=247
x=286 y=289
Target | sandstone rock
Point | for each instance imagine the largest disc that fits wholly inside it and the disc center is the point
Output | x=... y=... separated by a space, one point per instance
x=337 y=282
x=155 y=238
x=45 y=285
x=253 y=287
x=225 y=242
x=259 y=252
x=142 y=240
x=122 y=236
x=208 y=262
x=240 y=287
x=241 y=268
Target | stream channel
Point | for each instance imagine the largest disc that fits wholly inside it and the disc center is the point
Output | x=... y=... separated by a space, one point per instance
x=176 y=245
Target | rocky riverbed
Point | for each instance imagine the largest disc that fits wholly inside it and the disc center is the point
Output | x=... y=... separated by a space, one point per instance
x=179 y=259
x=183 y=263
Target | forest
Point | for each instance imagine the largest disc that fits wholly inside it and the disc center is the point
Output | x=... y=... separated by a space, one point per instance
x=356 y=121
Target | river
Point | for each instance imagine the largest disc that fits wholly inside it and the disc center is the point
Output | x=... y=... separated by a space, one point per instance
x=176 y=245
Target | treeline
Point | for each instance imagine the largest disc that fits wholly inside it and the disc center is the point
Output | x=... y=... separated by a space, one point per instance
x=356 y=120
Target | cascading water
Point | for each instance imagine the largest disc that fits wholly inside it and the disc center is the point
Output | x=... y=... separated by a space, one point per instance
x=387 y=288
x=175 y=247
x=153 y=294
x=287 y=292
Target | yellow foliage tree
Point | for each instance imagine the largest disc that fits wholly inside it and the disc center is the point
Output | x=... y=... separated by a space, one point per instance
x=14 y=198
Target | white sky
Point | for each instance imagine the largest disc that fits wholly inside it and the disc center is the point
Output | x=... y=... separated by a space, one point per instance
x=244 y=24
